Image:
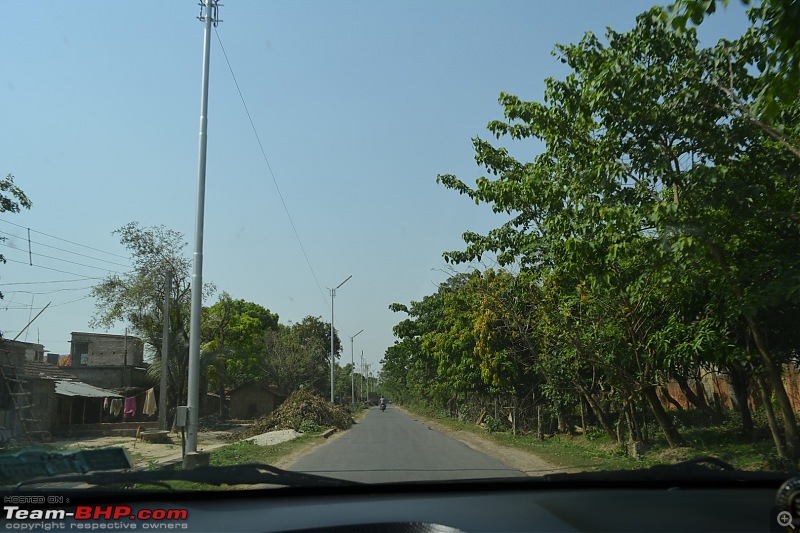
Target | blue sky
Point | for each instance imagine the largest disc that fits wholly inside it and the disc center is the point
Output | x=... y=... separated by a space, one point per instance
x=359 y=105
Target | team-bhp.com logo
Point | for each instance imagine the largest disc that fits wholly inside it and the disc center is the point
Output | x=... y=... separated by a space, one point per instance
x=18 y=518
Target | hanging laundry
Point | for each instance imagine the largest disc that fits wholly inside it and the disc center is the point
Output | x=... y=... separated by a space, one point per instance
x=106 y=405
x=116 y=407
x=150 y=402
x=130 y=406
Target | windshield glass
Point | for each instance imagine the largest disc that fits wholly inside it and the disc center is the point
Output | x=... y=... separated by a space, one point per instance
x=563 y=233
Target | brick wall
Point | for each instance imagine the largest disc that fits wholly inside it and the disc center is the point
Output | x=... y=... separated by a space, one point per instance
x=95 y=349
x=716 y=388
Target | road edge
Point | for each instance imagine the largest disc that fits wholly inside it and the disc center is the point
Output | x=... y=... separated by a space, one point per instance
x=524 y=461
x=287 y=461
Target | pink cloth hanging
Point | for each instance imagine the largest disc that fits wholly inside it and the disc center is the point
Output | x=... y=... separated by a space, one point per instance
x=130 y=406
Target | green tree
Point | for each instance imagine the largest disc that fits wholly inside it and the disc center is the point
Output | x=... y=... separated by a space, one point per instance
x=776 y=27
x=233 y=348
x=137 y=298
x=12 y=198
x=341 y=389
x=649 y=176
x=298 y=356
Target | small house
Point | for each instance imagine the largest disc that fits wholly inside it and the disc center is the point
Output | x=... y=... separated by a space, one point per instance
x=252 y=400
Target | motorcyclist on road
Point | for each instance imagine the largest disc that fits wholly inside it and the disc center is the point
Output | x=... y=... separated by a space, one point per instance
x=382 y=404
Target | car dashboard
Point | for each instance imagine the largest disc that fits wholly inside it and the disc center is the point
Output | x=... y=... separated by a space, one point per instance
x=474 y=506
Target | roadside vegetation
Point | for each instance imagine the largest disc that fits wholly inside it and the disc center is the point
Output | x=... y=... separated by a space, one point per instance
x=643 y=286
x=594 y=451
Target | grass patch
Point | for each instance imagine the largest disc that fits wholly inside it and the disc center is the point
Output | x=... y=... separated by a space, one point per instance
x=595 y=451
x=244 y=452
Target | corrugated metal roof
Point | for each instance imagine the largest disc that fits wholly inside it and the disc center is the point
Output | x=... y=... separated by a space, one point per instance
x=84 y=390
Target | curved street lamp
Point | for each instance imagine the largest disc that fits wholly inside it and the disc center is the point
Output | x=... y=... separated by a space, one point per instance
x=333 y=293
x=352 y=368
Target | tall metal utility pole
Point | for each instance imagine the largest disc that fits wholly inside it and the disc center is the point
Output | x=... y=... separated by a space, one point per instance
x=208 y=14
x=333 y=293
x=352 y=370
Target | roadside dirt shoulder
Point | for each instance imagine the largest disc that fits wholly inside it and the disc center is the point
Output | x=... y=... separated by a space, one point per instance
x=524 y=461
x=144 y=453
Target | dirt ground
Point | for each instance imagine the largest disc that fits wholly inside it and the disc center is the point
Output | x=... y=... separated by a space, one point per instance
x=144 y=453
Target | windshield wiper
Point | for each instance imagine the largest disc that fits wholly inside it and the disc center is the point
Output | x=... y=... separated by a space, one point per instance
x=244 y=474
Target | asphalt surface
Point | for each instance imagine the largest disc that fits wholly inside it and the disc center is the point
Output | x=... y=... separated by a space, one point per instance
x=390 y=446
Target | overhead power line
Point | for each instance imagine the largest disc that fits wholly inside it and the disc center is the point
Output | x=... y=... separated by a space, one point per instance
x=68 y=251
x=272 y=174
x=50 y=268
x=51 y=292
x=65 y=261
x=47 y=282
x=31 y=308
x=65 y=240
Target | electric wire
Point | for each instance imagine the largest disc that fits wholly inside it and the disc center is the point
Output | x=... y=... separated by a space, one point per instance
x=64 y=260
x=46 y=282
x=50 y=268
x=65 y=240
x=272 y=174
x=50 y=292
x=64 y=250
x=27 y=307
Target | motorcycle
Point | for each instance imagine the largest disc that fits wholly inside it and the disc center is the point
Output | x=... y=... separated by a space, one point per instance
x=383 y=407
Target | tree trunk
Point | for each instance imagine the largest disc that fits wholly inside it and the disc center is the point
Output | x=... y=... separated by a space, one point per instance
x=645 y=429
x=698 y=401
x=562 y=423
x=539 y=423
x=667 y=396
x=514 y=416
x=636 y=433
x=621 y=427
x=773 y=372
x=583 y=416
x=599 y=412
x=223 y=411
x=775 y=381
x=738 y=379
x=766 y=398
x=674 y=438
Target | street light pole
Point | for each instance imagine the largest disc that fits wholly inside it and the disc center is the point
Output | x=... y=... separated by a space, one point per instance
x=208 y=15
x=352 y=368
x=333 y=293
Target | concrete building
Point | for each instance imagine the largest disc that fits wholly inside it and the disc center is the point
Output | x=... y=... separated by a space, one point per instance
x=38 y=399
x=108 y=361
x=101 y=349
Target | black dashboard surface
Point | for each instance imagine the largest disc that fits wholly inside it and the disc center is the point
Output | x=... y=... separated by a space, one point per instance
x=424 y=508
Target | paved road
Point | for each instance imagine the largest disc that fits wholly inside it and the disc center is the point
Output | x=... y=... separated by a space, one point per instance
x=392 y=446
